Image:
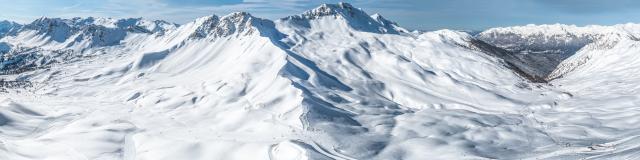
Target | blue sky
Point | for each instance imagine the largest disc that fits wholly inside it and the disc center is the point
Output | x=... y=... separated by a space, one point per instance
x=413 y=14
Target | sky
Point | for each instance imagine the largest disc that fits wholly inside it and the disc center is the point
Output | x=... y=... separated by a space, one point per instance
x=412 y=14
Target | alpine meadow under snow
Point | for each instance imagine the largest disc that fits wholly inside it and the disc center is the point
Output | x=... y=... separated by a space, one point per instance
x=331 y=83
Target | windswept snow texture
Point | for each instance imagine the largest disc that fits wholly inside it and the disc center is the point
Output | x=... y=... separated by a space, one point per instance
x=331 y=83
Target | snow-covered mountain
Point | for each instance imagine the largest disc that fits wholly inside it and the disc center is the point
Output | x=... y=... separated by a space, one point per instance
x=46 y=41
x=79 y=33
x=331 y=83
x=545 y=46
x=347 y=15
x=7 y=27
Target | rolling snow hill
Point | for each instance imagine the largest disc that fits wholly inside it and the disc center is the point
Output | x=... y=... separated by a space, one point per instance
x=331 y=83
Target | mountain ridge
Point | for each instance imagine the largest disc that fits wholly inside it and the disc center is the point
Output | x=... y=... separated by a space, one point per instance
x=91 y=29
x=535 y=59
x=546 y=46
x=7 y=27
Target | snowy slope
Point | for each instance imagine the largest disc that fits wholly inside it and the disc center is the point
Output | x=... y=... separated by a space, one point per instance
x=186 y=84
x=545 y=46
x=603 y=111
x=396 y=88
x=330 y=83
x=80 y=33
x=48 y=41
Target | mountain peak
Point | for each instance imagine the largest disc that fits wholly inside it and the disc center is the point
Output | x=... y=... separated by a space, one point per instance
x=333 y=8
x=46 y=20
x=235 y=23
x=343 y=9
x=238 y=15
x=355 y=18
x=6 y=22
x=6 y=27
x=56 y=28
